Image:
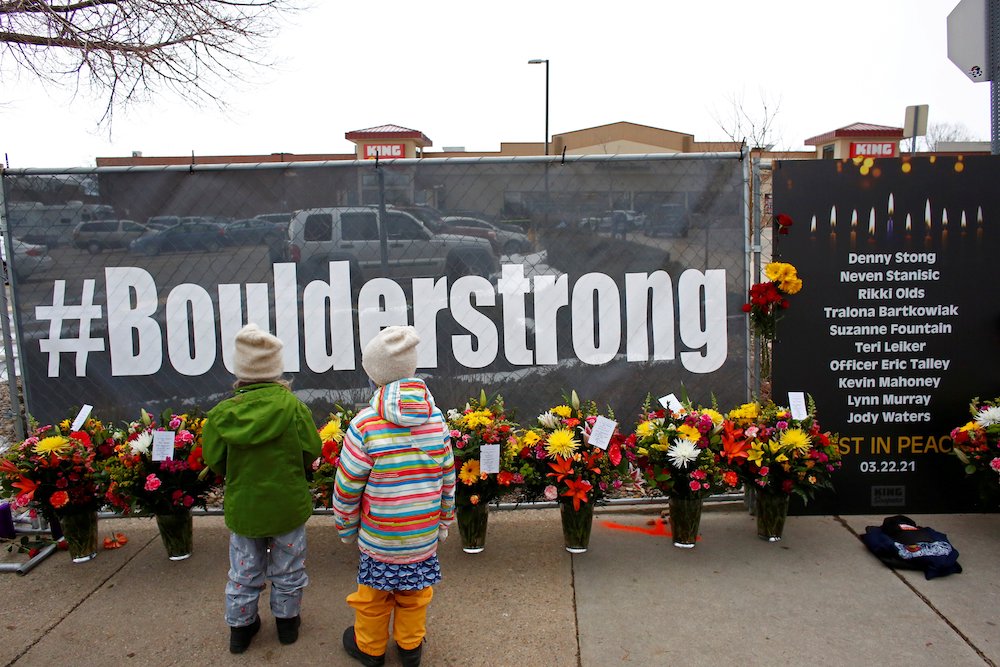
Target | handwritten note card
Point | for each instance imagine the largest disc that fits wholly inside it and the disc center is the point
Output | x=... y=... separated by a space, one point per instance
x=489 y=458
x=797 y=404
x=601 y=432
x=163 y=445
x=81 y=417
x=671 y=403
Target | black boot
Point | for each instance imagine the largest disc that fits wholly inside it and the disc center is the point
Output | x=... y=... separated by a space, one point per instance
x=288 y=629
x=240 y=637
x=351 y=646
x=410 y=657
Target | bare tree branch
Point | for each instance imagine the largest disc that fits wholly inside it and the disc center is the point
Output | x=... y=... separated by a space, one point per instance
x=938 y=133
x=127 y=49
x=755 y=124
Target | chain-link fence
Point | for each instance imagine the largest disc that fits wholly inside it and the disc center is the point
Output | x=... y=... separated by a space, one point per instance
x=616 y=276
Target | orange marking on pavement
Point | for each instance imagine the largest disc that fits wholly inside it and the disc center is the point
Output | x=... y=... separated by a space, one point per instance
x=659 y=528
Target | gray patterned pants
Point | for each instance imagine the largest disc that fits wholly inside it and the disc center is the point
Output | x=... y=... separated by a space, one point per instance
x=280 y=559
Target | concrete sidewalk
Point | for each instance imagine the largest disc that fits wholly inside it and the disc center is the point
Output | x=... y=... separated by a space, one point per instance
x=816 y=597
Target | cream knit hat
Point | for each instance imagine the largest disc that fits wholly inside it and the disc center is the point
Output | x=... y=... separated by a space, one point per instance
x=257 y=356
x=391 y=355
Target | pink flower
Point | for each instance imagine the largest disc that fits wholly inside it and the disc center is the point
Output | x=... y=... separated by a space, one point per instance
x=764 y=470
x=152 y=482
x=750 y=432
x=617 y=484
x=698 y=474
x=188 y=501
x=455 y=433
x=550 y=493
x=694 y=486
x=781 y=425
x=185 y=437
x=175 y=423
x=995 y=464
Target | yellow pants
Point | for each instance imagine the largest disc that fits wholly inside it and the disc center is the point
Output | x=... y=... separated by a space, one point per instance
x=373 y=608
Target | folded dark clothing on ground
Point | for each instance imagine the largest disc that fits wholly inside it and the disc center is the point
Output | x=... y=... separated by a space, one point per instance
x=901 y=544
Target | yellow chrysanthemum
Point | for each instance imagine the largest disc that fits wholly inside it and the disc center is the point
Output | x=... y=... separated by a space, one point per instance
x=530 y=438
x=795 y=438
x=469 y=474
x=64 y=425
x=645 y=429
x=562 y=410
x=333 y=430
x=747 y=411
x=51 y=445
x=971 y=426
x=688 y=432
x=477 y=418
x=561 y=443
x=790 y=285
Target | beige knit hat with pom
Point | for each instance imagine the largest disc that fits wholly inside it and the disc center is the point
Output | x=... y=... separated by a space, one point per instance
x=391 y=355
x=257 y=357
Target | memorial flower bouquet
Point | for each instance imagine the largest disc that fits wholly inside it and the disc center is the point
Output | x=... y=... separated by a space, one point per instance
x=483 y=422
x=577 y=471
x=52 y=471
x=766 y=300
x=977 y=443
x=160 y=483
x=680 y=453
x=778 y=454
x=324 y=468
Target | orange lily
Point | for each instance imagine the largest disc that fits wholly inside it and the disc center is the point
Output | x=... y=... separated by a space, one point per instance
x=591 y=461
x=563 y=468
x=9 y=467
x=578 y=490
x=734 y=445
x=27 y=487
x=116 y=541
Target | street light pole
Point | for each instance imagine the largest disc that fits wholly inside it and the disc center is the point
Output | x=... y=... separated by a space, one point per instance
x=539 y=61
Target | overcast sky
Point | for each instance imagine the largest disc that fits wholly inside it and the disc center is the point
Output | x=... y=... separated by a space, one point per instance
x=458 y=72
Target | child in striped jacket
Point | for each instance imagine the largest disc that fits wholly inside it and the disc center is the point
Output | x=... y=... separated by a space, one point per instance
x=395 y=495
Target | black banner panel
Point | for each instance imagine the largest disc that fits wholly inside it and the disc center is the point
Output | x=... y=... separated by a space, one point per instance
x=613 y=277
x=897 y=326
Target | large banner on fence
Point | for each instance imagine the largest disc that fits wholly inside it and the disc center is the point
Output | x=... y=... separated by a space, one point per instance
x=897 y=327
x=615 y=278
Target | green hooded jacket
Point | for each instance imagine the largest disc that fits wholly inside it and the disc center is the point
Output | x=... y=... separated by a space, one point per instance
x=262 y=439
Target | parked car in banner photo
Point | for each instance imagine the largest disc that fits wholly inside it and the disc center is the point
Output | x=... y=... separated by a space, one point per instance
x=184 y=237
x=29 y=258
x=504 y=240
x=101 y=235
x=669 y=220
x=254 y=231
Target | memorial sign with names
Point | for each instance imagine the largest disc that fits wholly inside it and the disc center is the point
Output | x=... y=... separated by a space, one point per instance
x=897 y=326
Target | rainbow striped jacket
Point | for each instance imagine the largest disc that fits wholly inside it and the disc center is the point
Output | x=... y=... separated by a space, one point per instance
x=395 y=484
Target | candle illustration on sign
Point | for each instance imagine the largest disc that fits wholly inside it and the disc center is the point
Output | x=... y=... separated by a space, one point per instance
x=908 y=226
x=888 y=222
x=833 y=228
x=812 y=230
x=944 y=228
x=871 y=226
x=979 y=224
x=927 y=223
x=854 y=228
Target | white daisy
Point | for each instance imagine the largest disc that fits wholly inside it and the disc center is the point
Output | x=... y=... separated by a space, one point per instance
x=142 y=443
x=682 y=452
x=455 y=415
x=988 y=417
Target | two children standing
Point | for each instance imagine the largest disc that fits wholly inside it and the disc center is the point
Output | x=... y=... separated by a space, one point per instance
x=394 y=495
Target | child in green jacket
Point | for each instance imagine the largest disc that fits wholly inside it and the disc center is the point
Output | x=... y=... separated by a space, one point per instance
x=263 y=439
